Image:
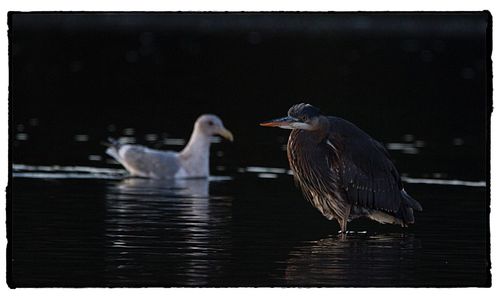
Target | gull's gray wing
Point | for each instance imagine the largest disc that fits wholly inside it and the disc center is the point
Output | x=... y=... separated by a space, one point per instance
x=145 y=162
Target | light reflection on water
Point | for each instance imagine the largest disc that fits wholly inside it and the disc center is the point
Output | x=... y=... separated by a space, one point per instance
x=415 y=153
x=21 y=136
x=408 y=148
x=181 y=187
x=174 y=142
x=81 y=138
x=84 y=172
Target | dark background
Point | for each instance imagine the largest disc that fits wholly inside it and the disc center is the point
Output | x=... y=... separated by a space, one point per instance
x=418 y=82
x=395 y=74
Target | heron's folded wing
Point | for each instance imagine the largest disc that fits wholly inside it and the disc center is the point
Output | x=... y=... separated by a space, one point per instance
x=366 y=172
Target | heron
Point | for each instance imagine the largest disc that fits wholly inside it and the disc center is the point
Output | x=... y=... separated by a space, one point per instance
x=191 y=162
x=342 y=171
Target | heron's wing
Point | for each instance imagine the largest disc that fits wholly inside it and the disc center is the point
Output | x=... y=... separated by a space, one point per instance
x=147 y=162
x=365 y=171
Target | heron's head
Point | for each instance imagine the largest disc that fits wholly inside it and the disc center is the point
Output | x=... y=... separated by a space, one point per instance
x=300 y=116
x=211 y=125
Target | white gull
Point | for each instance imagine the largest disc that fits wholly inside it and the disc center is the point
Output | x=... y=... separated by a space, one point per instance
x=191 y=162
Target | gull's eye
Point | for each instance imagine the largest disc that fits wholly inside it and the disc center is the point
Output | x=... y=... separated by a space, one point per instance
x=210 y=123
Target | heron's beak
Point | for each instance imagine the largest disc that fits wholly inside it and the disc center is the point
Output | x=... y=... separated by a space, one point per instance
x=284 y=122
x=226 y=134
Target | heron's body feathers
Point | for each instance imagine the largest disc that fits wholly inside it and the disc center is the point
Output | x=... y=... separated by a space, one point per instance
x=367 y=175
x=346 y=174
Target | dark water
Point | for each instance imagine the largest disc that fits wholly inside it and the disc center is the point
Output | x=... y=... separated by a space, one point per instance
x=252 y=229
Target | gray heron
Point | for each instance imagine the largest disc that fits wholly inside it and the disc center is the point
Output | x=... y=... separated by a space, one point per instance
x=342 y=171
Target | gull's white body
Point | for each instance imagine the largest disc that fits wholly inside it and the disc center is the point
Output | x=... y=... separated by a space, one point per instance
x=191 y=162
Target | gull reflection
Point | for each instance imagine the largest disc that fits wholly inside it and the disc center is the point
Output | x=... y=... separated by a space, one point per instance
x=361 y=259
x=172 y=222
x=182 y=187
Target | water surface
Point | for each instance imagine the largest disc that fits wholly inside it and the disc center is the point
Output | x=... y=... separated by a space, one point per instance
x=84 y=226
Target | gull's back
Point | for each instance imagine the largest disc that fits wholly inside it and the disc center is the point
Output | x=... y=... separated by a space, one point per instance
x=141 y=161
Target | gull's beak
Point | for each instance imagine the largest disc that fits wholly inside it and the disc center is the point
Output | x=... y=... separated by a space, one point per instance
x=226 y=134
x=284 y=122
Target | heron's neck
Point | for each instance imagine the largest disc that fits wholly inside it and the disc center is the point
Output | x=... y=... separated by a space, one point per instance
x=310 y=137
x=196 y=154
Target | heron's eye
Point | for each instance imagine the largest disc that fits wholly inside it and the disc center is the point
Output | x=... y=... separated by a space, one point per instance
x=210 y=123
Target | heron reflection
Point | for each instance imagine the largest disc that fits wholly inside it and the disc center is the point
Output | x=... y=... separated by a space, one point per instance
x=357 y=261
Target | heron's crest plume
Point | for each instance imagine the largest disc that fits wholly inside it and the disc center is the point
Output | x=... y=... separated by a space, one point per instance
x=303 y=111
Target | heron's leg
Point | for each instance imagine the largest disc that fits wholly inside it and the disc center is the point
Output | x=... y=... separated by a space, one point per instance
x=344 y=219
x=343 y=225
x=343 y=228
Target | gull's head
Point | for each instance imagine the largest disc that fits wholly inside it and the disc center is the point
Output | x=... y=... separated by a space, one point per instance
x=211 y=125
x=300 y=116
